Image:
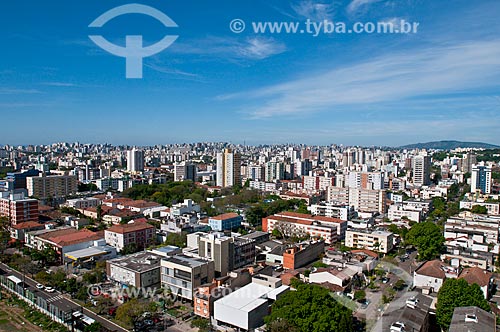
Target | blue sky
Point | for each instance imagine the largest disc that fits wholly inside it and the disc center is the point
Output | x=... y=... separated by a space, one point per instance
x=214 y=85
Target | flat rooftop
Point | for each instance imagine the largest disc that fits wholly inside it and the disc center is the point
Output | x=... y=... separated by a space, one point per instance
x=186 y=261
x=251 y=296
x=139 y=262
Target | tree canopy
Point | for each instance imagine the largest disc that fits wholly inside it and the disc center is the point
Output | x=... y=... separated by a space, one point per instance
x=457 y=293
x=309 y=309
x=428 y=238
x=479 y=209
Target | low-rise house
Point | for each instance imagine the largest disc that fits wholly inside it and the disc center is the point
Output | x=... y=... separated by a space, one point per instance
x=431 y=275
x=339 y=277
x=482 y=278
x=415 y=316
x=18 y=231
x=469 y=319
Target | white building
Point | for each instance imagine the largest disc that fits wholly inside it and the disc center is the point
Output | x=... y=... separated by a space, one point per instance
x=135 y=161
x=246 y=308
x=331 y=210
x=372 y=240
x=421 y=165
x=398 y=211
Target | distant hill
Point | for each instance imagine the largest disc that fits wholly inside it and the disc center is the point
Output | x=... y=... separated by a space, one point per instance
x=450 y=145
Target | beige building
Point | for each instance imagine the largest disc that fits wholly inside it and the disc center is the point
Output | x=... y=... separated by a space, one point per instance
x=228 y=168
x=44 y=187
x=372 y=240
x=183 y=275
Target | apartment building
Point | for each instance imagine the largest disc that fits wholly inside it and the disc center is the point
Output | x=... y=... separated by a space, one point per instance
x=138 y=270
x=228 y=168
x=372 y=240
x=228 y=253
x=329 y=229
x=45 y=187
x=331 y=210
x=140 y=234
x=363 y=200
x=492 y=208
x=17 y=208
x=398 y=212
x=479 y=228
x=183 y=275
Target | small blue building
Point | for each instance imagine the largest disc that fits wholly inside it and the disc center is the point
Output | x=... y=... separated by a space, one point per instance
x=225 y=222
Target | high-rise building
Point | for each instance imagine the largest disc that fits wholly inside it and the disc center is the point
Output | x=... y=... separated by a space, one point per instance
x=274 y=171
x=184 y=171
x=135 y=161
x=228 y=168
x=481 y=179
x=421 y=170
x=467 y=162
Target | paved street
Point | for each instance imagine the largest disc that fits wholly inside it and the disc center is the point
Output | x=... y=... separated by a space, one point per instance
x=61 y=300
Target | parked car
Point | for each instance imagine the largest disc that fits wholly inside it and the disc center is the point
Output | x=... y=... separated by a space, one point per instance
x=398 y=327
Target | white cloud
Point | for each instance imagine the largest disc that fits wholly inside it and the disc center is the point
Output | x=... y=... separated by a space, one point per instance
x=10 y=91
x=391 y=78
x=255 y=48
x=356 y=5
x=316 y=11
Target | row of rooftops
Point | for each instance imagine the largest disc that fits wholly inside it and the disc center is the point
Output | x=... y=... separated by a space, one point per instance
x=438 y=269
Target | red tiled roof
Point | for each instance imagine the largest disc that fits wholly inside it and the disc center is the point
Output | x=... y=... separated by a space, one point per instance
x=476 y=275
x=128 y=228
x=366 y=252
x=83 y=235
x=432 y=269
x=309 y=216
x=225 y=216
x=56 y=233
x=28 y=224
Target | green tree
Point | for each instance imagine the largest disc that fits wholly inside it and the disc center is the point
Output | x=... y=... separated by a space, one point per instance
x=428 y=239
x=359 y=295
x=457 y=293
x=203 y=325
x=311 y=309
x=128 y=312
x=94 y=327
x=479 y=209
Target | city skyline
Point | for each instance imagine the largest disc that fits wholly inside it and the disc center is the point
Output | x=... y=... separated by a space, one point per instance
x=214 y=85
